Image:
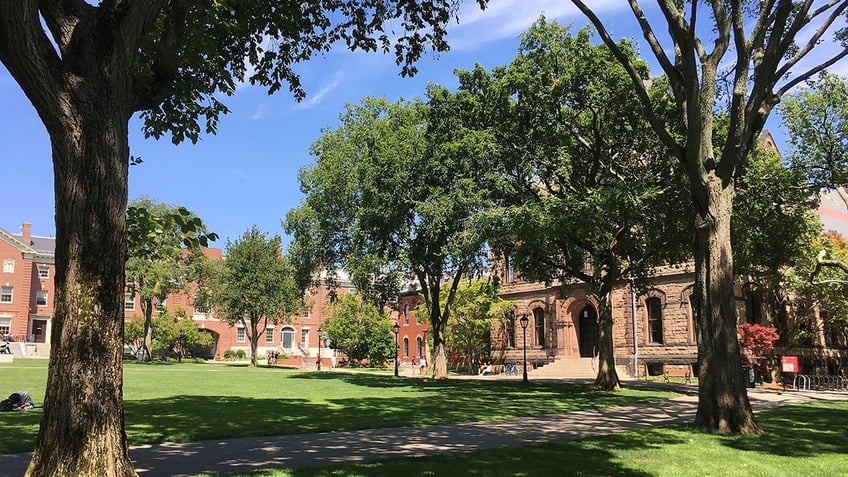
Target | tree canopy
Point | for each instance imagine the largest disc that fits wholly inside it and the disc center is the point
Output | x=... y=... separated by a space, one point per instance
x=359 y=329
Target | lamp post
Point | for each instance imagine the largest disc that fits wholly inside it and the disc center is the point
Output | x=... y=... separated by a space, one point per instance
x=396 y=330
x=524 y=322
x=319 y=347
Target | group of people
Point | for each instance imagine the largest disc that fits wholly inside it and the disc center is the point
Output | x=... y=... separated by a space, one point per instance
x=18 y=401
x=420 y=364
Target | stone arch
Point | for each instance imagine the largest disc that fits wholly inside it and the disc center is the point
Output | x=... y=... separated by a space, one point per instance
x=686 y=296
x=581 y=315
x=654 y=302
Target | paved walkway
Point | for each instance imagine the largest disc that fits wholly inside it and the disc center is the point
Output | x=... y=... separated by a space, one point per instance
x=242 y=455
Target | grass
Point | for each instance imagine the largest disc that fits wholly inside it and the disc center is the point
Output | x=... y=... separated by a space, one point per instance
x=192 y=402
x=802 y=440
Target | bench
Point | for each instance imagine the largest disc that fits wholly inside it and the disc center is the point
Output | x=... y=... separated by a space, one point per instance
x=685 y=374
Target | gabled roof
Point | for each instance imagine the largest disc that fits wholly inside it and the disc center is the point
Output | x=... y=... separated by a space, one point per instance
x=44 y=247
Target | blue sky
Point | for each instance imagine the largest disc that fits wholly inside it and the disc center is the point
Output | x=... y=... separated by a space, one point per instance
x=247 y=173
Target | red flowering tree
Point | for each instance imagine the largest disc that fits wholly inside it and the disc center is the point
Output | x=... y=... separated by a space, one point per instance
x=757 y=343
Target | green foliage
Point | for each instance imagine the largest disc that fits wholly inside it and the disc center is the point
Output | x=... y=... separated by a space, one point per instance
x=773 y=220
x=592 y=178
x=177 y=335
x=158 y=265
x=398 y=191
x=816 y=119
x=255 y=286
x=359 y=330
x=476 y=305
x=134 y=335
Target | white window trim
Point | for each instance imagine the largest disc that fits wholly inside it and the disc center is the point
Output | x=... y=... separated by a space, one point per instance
x=41 y=293
x=11 y=294
x=46 y=270
x=241 y=334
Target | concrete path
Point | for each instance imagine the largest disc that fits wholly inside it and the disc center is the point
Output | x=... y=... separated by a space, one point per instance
x=241 y=455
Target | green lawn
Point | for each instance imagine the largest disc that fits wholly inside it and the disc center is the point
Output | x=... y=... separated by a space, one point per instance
x=803 y=440
x=190 y=402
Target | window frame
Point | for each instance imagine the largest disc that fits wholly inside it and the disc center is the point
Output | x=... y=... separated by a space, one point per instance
x=46 y=270
x=241 y=334
x=5 y=323
x=269 y=334
x=653 y=306
x=41 y=294
x=4 y=294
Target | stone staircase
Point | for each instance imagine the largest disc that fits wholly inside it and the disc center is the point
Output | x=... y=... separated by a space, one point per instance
x=567 y=368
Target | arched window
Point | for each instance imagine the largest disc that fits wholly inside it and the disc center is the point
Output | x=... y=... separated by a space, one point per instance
x=406 y=347
x=287 y=339
x=539 y=322
x=406 y=313
x=419 y=347
x=510 y=331
x=655 y=319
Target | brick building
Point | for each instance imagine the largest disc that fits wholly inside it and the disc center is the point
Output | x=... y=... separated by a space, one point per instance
x=26 y=307
x=653 y=332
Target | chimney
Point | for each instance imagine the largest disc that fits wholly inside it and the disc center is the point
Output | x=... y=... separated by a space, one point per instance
x=26 y=233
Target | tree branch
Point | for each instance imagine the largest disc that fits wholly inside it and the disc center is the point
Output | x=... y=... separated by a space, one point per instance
x=30 y=57
x=636 y=78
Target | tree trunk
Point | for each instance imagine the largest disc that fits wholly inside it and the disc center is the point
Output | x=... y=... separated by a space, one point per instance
x=147 y=345
x=254 y=341
x=607 y=378
x=82 y=428
x=440 y=360
x=723 y=404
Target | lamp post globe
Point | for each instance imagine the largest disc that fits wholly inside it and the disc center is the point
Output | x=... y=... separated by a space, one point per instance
x=524 y=322
x=396 y=330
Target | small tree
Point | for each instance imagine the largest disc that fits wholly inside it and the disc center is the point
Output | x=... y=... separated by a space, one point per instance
x=134 y=335
x=158 y=236
x=175 y=334
x=757 y=344
x=469 y=327
x=255 y=286
x=359 y=330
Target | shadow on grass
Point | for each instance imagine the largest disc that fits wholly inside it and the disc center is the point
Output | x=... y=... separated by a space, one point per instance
x=799 y=431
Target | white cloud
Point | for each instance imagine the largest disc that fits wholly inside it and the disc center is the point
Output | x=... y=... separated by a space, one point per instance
x=260 y=112
x=316 y=97
x=507 y=18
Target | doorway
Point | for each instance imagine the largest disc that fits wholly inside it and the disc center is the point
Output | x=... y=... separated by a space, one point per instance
x=587 y=333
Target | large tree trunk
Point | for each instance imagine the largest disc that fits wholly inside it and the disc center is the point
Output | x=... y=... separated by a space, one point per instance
x=82 y=429
x=607 y=378
x=440 y=360
x=723 y=404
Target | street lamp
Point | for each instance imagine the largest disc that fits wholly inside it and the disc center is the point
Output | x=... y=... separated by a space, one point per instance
x=396 y=330
x=524 y=322
x=319 y=347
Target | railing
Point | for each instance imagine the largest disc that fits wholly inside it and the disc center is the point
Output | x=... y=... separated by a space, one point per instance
x=819 y=382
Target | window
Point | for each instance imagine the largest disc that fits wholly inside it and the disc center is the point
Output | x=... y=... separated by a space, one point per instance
x=510 y=331
x=655 y=320
x=406 y=347
x=240 y=334
x=129 y=302
x=9 y=265
x=288 y=338
x=5 y=294
x=419 y=347
x=304 y=337
x=5 y=326
x=539 y=320
x=41 y=298
x=406 y=313
x=269 y=335
x=43 y=271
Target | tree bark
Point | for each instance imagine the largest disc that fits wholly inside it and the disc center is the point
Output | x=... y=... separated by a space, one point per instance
x=440 y=360
x=607 y=378
x=723 y=403
x=82 y=429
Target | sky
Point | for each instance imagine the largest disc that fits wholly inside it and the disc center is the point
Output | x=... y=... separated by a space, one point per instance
x=246 y=174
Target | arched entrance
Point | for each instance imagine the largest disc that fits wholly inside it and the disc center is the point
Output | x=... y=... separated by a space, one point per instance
x=587 y=332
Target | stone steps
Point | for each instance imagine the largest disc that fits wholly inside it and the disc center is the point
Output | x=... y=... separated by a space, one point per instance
x=567 y=368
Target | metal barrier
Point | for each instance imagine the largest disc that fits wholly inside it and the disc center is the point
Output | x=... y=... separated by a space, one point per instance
x=819 y=382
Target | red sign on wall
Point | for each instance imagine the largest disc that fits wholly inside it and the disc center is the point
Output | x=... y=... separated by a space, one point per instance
x=789 y=364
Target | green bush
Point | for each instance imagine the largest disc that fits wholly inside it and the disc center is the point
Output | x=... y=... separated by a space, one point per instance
x=229 y=354
x=240 y=354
